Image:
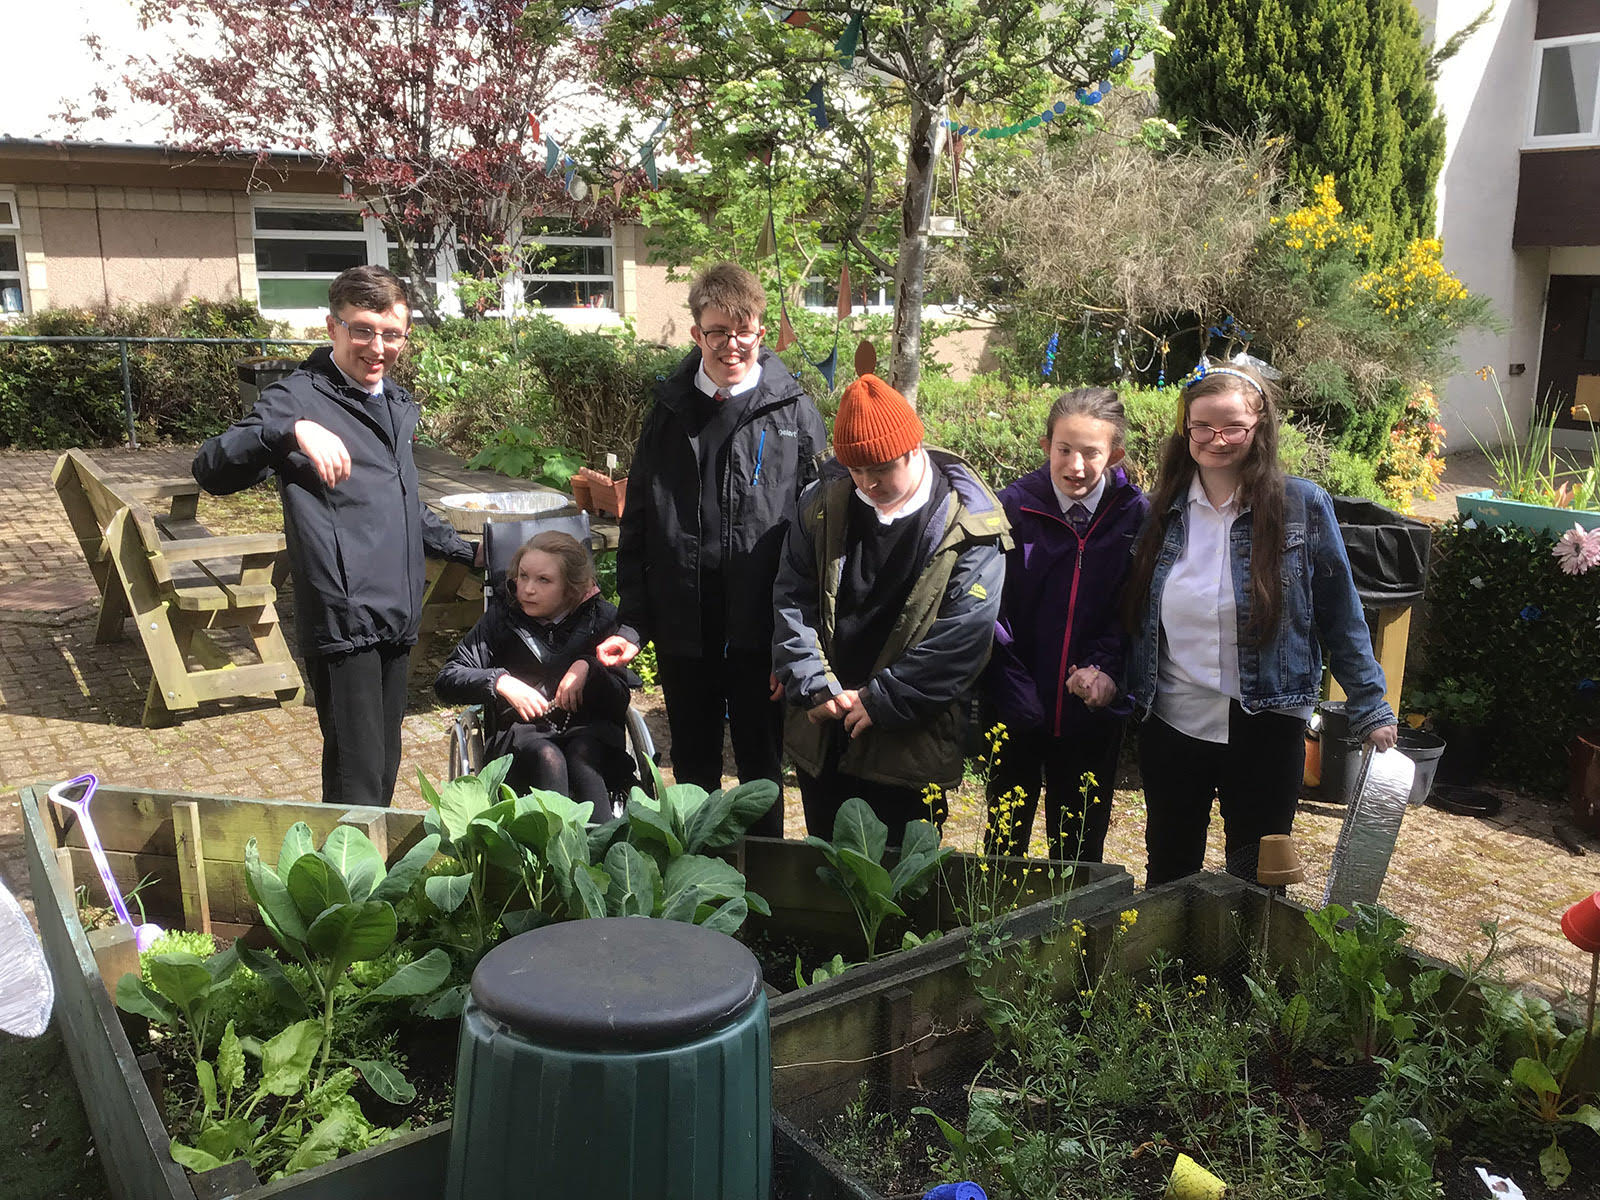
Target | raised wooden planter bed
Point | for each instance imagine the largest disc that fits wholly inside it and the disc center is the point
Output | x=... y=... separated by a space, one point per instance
x=194 y=845
x=922 y=1018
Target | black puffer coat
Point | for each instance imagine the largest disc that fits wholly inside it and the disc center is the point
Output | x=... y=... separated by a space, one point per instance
x=499 y=644
x=773 y=454
x=355 y=550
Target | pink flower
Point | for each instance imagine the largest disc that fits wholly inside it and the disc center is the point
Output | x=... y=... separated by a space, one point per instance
x=1577 y=550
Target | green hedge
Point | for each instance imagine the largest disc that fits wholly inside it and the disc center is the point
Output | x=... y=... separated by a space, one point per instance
x=1501 y=611
x=56 y=396
x=580 y=390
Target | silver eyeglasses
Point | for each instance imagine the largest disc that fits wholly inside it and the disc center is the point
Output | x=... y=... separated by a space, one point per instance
x=363 y=335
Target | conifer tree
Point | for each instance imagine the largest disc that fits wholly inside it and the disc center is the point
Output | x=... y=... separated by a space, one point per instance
x=1345 y=81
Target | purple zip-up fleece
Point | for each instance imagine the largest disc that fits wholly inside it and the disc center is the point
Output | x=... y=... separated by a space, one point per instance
x=1060 y=607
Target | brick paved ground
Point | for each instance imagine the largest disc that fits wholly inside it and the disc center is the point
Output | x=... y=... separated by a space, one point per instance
x=67 y=705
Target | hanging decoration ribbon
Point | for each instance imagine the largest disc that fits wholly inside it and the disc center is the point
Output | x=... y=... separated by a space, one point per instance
x=1086 y=96
x=819 y=112
x=846 y=306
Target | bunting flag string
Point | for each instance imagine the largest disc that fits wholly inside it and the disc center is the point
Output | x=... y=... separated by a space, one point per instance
x=1086 y=96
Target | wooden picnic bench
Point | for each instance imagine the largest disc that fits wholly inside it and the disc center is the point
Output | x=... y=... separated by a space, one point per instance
x=180 y=582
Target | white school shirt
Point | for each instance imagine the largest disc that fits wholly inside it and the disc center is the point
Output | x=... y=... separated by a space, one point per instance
x=918 y=500
x=1091 y=501
x=749 y=383
x=1199 y=669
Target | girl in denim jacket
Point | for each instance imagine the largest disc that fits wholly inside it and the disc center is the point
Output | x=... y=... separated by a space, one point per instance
x=1237 y=577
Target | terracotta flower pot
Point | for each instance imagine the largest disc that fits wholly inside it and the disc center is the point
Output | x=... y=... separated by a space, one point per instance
x=581 y=495
x=1581 y=923
x=1279 y=864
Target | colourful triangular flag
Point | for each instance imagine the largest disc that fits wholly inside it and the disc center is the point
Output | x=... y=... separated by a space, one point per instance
x=768 y=242
x=846 y=305
x=533 y=123
x=846 y=46
x=828 y=367
x=786 y=336
x=798 y=17
x=647 y=160
x=819 y=112
x=571 y=169
x=552 y=155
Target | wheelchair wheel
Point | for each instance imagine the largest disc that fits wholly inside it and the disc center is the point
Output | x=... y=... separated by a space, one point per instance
x=466 y=743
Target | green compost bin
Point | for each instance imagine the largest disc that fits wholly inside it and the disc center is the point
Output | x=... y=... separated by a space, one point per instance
x=621 y=1057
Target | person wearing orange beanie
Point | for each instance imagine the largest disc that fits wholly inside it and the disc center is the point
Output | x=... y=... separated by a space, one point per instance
x=886 y=600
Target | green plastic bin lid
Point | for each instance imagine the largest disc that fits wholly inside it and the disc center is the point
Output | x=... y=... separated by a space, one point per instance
x=617 y=983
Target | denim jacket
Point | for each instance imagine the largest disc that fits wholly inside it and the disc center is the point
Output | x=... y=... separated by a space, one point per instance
x=1319 y=596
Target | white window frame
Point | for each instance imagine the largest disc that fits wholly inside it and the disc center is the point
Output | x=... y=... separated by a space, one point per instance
x=371 y=232
x=515 y=299
x=13 y=230
x=1547 y=141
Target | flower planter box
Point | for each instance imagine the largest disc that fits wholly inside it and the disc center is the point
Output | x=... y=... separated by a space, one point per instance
x=1488 y=509
x=194 y=845
x=922 y=1021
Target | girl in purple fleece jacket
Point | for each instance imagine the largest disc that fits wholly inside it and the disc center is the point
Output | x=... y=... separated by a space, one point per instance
x=1056 y=675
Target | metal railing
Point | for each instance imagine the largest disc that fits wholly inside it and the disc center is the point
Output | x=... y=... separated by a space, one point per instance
x=122 y=344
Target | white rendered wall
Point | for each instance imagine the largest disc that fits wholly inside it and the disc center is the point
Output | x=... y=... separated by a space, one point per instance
x=1484 y=92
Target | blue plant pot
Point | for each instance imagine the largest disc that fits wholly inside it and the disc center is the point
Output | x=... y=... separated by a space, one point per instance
x=1488 y=509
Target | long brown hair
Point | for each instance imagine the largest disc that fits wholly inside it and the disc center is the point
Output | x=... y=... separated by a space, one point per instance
x=1260 y=491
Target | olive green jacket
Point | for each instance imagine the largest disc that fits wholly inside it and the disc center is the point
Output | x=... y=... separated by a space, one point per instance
x=935 y=652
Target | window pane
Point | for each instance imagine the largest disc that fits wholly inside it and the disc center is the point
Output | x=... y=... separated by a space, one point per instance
x=8 y=215
x=554 y=294
x=1567 y=78
x=564 y=227
x=820 y=294
x=294 y=293
x=1591 y=340
x=8 y=254
x=569 y=260
x=308 y=218
x=10 y=296
x=324 y=257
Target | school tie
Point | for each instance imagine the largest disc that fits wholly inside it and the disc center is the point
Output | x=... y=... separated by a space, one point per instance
x=719 y=396
x=1079 y=517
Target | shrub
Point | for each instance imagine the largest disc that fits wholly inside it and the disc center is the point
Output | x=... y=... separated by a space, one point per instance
x=1534 y=642
x=56 y=396
x=580 y=390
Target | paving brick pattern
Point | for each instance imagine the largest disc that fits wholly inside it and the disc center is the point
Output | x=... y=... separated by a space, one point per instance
x=67 y=705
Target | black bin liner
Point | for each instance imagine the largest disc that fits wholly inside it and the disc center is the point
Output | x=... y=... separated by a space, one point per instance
x=1388 y=552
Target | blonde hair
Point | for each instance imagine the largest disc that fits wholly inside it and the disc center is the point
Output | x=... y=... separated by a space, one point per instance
x=577 y=569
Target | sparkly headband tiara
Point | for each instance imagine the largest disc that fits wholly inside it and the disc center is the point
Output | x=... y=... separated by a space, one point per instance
x=1202 y=369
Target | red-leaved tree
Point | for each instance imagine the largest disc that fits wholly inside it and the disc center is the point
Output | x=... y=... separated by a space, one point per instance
x=431 y=109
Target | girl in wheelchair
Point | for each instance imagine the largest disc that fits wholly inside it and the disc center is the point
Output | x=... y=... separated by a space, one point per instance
x=530 y=662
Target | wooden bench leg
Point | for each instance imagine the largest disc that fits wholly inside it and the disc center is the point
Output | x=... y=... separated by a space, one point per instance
x=113 y=610
x=267 y=634
x=169 y=685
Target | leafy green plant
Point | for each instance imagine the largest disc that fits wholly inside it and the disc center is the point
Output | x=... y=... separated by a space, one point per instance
x=855 y=865
x=328 y=909
x=180 y=993
x=1353 y=976
x=1460 y=703
x=1546 y=1055
x=312 y=1124
x=519 y=451
x=1389 y=1157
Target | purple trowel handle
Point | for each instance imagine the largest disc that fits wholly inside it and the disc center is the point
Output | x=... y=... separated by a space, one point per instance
x=96 y=850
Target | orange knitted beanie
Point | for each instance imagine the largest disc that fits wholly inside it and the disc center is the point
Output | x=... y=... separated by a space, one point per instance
x=876 y=424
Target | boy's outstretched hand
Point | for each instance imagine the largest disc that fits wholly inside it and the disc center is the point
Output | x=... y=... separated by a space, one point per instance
x=615 y=651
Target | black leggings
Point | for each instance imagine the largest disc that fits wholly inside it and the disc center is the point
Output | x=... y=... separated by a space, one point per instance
x=576 y=766
x=1256 y=776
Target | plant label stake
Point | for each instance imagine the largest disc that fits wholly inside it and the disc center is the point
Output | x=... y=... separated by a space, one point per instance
x=145 y=934
x=1277 y=866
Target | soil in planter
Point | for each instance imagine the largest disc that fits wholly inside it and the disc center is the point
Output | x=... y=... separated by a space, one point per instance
x=776 y=954
x=1457 y=1166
